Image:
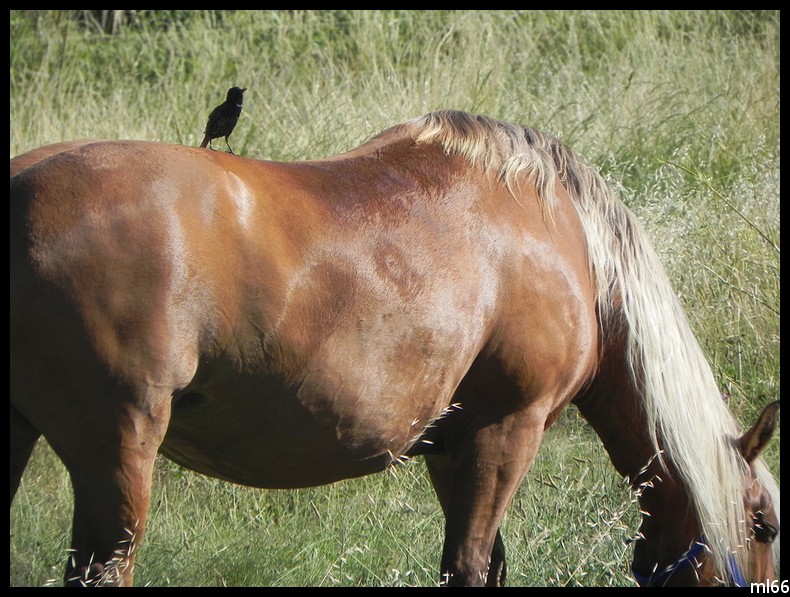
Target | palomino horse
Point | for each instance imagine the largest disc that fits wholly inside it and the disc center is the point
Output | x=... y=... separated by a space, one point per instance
x=446 y=289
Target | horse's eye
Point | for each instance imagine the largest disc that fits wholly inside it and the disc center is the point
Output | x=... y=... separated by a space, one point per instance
x=763 y=532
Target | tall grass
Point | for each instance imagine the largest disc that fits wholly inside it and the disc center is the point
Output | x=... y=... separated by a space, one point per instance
x=568 y=526
x=679 y=110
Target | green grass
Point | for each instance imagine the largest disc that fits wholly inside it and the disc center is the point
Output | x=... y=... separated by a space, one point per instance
x=567 y=526
x=678 y=109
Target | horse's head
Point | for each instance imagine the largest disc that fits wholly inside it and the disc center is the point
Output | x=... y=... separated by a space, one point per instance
x=759 y=505
x=692 y=564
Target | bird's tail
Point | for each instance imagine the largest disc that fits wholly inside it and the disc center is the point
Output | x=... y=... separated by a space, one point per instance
x=206 y=139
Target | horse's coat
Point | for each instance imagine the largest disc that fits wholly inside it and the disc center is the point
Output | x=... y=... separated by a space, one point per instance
x=445 y=289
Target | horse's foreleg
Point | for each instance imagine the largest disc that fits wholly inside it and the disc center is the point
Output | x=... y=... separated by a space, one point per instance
x=441 y=477
x=497 y=567
x=111 y=475
x=23 y=440
x=487 y=466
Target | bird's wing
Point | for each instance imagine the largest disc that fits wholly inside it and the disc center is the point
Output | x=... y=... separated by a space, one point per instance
x=215 y=112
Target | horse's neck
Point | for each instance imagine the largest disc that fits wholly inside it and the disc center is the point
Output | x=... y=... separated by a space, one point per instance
x=612 y=407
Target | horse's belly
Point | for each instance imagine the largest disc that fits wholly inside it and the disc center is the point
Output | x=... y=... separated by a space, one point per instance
x=259 y=464
x=280 y=443
x=361 y=399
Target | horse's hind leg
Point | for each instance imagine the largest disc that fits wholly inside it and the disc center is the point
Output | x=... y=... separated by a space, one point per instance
x=111 y=463
x=440 y=471
x=23 y=440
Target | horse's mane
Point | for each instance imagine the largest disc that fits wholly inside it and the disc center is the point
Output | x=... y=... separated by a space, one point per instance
x=686 y=415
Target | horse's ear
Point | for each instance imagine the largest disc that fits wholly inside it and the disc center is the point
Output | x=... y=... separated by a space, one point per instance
x=753 y=441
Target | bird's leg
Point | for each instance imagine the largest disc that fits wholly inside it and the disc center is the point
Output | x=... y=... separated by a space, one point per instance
x=228 y=144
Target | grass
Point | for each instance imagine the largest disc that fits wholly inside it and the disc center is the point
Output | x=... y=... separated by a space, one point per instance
x=678 y=109
x=382 y=530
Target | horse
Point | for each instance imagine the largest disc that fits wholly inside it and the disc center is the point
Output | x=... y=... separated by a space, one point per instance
x=444 y=290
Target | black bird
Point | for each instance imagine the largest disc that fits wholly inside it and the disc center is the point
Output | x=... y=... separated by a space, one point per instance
x=224 y=117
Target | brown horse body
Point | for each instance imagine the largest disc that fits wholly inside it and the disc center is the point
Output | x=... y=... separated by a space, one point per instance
x=294 y=324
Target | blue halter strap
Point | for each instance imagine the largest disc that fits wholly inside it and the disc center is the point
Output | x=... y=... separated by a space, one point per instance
x=660 y=578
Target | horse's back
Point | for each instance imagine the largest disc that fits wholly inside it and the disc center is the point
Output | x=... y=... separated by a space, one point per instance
x=22 y=161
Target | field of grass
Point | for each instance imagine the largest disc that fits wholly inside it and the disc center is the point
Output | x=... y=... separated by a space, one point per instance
x=680 y=112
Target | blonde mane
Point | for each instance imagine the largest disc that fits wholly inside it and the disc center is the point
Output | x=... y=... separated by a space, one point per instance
x=679 y=393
